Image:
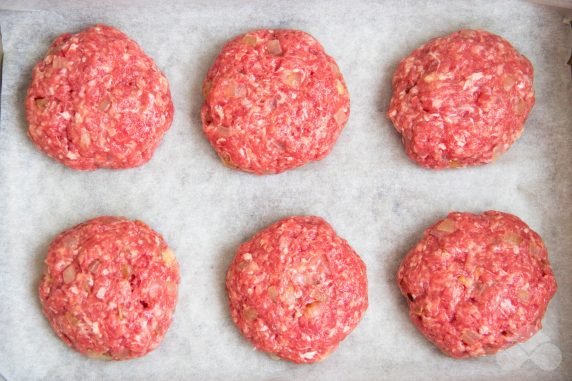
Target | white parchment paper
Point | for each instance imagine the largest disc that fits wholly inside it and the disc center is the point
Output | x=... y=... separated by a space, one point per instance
x=367 y=188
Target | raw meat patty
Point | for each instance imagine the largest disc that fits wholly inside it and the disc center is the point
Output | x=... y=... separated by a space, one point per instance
x=98 y=101
x=296 y=289
x=274 y=100
x=461 y=100
x=110 y=288
x=477 y=284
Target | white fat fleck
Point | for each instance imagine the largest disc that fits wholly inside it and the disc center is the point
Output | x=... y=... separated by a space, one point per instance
x=461 y=140
x=72 y=156
x=101 y=293
x=157 y=311
x=408 y=64
x=247 y=257
x=309 y=355
x=299 y=278
x=437 y=102
x=506 y=304
x=60 y=265
x=471 y=79
x=105 y=272
x=66 y=115
x=74 y=290
x=95 y=328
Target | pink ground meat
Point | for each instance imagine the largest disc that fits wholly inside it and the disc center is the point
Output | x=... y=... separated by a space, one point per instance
x=109 y=289
x=461 y=100
x=98 y=101
x=297 y=289
x=274 y=100
x=477 y=283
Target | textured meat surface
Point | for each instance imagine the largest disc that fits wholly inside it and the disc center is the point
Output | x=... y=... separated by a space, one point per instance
x=98 y=101
x=274 y=100
x=296 y=289
x=110 y=288
x=461 y=100
x=477 y=284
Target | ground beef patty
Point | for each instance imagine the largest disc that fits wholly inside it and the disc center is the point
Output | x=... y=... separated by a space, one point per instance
x=274 y=100
x=110 y=288
x=477 y=284
x=98 y=101
x=461 y=100
x=297 y=289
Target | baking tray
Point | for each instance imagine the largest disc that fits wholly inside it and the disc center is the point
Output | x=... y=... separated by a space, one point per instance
x=367 y=188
